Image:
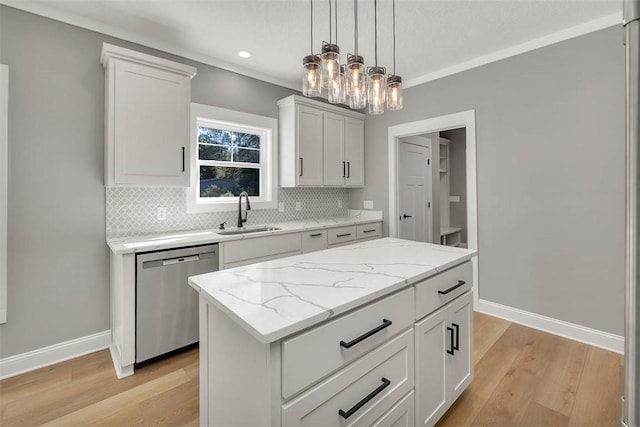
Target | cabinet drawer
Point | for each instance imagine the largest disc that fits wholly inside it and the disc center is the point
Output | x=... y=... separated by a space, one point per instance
x=314 y=241
x=311 y=355
x=368 y=231
x=341 y=235
x=387 y=370
x=436 y=291
x=247 y=249
x=401 y=415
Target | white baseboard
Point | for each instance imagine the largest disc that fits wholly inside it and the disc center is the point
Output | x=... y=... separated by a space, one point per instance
x=572 y=331
x=121 y=371
x=25 y=362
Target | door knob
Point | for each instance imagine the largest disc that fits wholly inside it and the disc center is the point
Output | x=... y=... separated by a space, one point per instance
x=405 y=216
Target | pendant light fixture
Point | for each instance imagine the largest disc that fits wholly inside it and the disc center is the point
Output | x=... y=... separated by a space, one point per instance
x=377 y=82
x=356 y=80
x=336 y=93
x=330 y=58
x=312 y=75
x=394 y=82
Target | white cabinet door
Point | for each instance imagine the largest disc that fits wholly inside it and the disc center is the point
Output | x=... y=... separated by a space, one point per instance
x=150 y=114
x=335 y=167
x=309 y=140
x=354 y=152
x=431 y=380
x=459 y=365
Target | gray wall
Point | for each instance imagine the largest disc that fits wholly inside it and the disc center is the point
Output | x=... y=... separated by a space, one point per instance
x=550 y=162
x=58 y=265
x=458 y=179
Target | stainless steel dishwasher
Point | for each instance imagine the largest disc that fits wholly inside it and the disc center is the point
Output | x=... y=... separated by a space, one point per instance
x=166 y=306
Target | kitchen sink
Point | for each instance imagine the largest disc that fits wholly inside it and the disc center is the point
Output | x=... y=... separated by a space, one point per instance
x=246 y=231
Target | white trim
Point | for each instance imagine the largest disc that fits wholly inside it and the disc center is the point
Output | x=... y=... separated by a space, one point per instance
x=561 y=328
x=467 y=120
x=266 y=126
x=25 y=362
x=48 y=11
x=4 y=181
x=121 y=371
x=549 y=39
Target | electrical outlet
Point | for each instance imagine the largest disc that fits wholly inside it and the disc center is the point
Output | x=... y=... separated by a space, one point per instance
x=162 y=214
x=339 y=203
x=281 y=207
x=368 y=204
x=298 y=206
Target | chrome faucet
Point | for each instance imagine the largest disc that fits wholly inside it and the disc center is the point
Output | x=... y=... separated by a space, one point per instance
x=242 y=220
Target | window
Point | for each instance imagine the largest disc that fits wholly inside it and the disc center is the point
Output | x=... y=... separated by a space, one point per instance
x=233 y=152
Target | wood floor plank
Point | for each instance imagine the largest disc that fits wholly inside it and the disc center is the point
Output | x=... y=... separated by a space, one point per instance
x=487 y=330
x=538 y=415
x=597 y=402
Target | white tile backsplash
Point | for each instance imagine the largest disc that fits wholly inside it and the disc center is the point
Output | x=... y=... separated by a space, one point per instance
x=132 y=211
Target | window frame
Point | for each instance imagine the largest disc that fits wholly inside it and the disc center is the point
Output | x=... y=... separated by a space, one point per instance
x=266 y=127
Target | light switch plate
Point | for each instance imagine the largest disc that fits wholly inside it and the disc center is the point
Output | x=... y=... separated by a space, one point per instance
x=162 y=213
x=281 y=207
x=368 y=204
x=298 y=206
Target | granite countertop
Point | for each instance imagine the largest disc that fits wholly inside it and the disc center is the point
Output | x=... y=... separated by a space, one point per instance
x=274 y=299
x=200 y=237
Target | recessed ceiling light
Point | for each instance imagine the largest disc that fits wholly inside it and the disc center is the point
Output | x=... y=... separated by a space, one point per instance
x=244 y=54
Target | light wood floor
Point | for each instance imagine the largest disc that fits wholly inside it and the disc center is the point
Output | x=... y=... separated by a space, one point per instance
x=523 y=377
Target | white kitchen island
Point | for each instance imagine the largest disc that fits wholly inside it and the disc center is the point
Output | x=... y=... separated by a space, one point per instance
x=375 y=333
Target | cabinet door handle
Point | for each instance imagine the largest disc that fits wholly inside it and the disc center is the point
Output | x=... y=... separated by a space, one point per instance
x=348 y=169
x=385 y=324
x=453 y=288
x=301 y=166
x=344 y=168
x=405 y=216
x=451 y=351
x=315 y=235
x=343 y=235
x=369 y=231
x=182 y=159
x=456 y=347
x=365 y=400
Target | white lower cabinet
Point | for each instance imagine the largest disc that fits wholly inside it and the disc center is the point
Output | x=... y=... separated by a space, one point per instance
x=360 y=393
x=401 y=415
x=315 y=240
x=443 y=358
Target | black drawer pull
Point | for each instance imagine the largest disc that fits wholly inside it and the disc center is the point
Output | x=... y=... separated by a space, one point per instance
x=453 y=288
x=453 y=348
x=343 y=235
x=315 y=235
x=367 y=398
x=456 y=347
x=369 y=231
x=385 y=324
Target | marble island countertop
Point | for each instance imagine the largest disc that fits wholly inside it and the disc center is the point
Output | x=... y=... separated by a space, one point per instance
x=200 y=237
x=274 y=299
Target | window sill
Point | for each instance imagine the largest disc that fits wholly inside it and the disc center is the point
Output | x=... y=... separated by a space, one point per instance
x=231 y=205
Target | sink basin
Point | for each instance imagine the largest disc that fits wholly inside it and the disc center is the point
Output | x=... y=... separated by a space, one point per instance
x=246 y=231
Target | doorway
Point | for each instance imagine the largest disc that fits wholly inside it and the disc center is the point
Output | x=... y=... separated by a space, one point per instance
x=396 y=134
x=415 y=195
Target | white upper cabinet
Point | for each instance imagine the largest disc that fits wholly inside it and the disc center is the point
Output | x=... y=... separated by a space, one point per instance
x=147 y=119
x=320 y=145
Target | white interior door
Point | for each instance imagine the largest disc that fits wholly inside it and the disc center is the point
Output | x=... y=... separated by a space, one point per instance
x=414 y=203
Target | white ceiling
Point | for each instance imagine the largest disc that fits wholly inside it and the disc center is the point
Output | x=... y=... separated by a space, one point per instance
x=434 y=37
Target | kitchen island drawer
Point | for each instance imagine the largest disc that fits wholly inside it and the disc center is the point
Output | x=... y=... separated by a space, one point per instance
x=368 y=231
x=359 y=394
x=341 y=235
x=435 y=292
x=316 y=353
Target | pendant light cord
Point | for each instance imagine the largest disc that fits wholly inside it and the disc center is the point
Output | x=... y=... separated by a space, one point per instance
x=336 y=8
x=394 y=37
x=375 y=29
x=330 y=30
x=355 y=27
x=311 y=2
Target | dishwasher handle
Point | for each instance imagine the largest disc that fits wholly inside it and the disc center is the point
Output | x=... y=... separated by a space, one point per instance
x=180 y=260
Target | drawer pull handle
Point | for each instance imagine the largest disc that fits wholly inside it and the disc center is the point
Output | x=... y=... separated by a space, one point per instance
x=453 y=288
x=343 y=235
x=367 y=398
x=369 y=231
x=385 y=324
x=315 y=235
x=452 y=350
